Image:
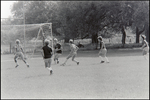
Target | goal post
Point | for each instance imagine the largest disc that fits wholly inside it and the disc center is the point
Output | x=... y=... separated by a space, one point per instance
x=32 y=39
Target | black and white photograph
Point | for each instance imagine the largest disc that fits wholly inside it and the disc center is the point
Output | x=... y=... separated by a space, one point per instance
x=75 y=49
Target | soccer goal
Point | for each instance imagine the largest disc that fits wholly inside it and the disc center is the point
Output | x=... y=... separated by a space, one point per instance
x=32 y=37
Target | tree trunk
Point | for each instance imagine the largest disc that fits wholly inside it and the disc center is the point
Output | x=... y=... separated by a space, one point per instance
x=123 y=36
x=138 y=34
x=94 y=40
x=137 y=38
x=147 y=34
x=10 y=47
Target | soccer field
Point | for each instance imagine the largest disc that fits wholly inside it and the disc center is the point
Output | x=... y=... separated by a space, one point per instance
x=126 y=76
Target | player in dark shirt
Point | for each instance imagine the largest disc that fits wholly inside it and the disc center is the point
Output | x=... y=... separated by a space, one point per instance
x=58 y=50
x=47 y=54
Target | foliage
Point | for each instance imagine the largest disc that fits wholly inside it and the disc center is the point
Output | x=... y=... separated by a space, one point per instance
x=83 y=19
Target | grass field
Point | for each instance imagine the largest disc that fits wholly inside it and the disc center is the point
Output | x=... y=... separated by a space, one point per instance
x=126 y=76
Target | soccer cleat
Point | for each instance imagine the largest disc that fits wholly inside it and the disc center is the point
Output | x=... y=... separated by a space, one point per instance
x=51 y=72
x=102 y=61
x=77 y=63
x=28 y=66
x=16 y=66
x=57 y=62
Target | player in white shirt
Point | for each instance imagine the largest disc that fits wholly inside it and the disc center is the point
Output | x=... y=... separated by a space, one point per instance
x=73 y=52
x=145 y=47
x=103 y=51
x=19 y=53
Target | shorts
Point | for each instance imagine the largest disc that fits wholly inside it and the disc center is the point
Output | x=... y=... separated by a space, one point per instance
x=73 y=55
x=57 y=54
x=103 y=52
x=48 y=62
x=19 y=54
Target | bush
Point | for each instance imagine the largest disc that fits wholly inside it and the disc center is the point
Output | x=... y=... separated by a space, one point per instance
x=117 y=46
x=6 y=52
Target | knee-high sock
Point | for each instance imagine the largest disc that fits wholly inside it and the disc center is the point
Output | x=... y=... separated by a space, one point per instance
x=106 y=59
x=49 y=68
x=101 y=58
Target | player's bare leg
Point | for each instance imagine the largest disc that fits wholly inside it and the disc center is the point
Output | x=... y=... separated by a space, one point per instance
x=48 y=66
x=69 y=56
x=15 y=59
x=102 y=59
x=25 y=61
x=106 y=59
x=73 y=59
x=56 y=58
x=64 y=62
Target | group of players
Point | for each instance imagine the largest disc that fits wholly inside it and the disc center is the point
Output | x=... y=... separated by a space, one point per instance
x=47 y=52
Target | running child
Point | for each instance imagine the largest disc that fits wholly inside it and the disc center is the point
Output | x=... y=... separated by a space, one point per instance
x=19 y=53
x=145 y=47
x=73 y=52
x=47 y=54
x=103 y=51
x=58 y=50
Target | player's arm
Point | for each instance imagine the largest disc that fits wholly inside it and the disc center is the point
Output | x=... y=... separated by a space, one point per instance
x=51 y=51
x=77 y=48
x=22 y=50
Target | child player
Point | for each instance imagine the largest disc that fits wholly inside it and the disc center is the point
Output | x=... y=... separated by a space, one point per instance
x=102 y=51
x=145 y=47
x=73 y=52
x=47 y=54
x=58 y=50
x=19 y=53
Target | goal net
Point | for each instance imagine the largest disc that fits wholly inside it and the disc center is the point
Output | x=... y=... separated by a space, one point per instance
x=31 y=36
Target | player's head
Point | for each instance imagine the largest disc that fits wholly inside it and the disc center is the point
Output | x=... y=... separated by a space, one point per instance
x=17 y=41
x=46 y=42
x=55 y=40
x=143 y=37
x=99 y=38
x=70 y=41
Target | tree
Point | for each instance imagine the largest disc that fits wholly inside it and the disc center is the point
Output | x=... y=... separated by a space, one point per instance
x=81 y=19
x=141 y=18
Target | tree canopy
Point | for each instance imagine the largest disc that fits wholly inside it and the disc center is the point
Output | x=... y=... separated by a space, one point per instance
x=81 y=19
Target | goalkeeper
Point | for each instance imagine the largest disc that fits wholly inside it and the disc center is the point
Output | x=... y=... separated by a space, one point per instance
x=19 y=53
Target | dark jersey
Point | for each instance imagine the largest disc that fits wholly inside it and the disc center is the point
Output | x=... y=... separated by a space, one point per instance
x=47 y=52
x=58 y=46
